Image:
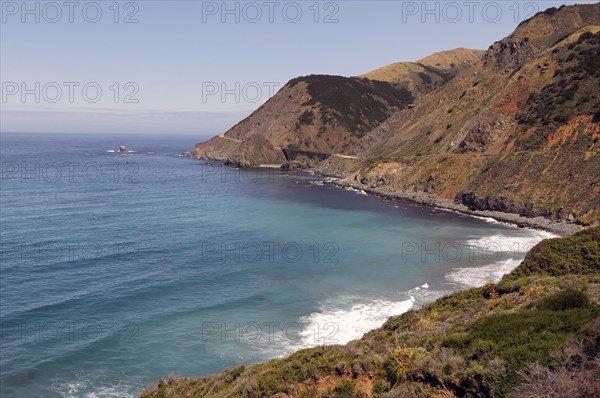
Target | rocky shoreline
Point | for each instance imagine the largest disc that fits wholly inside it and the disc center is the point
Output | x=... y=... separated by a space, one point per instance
x=560 y=228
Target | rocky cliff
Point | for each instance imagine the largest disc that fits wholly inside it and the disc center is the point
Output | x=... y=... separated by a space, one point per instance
x=513 y=129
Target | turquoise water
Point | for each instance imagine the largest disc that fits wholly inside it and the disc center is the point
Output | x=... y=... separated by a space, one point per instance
x=120 y=268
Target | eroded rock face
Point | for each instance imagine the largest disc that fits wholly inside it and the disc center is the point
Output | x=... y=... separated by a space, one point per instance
x=495 y=203
x=253 y=151
x=508 y=54
x=477 y=140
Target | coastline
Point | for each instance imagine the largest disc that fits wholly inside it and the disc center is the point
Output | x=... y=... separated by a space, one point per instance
x=562 y=229
x=536 y=295
x=387 y=193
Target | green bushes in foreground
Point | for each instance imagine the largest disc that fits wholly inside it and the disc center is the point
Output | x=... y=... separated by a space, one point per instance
x=577 y=254
x=526 y=336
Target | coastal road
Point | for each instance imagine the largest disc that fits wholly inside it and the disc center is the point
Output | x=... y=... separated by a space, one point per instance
x=227 y=138
x=345 y=156
x=333 y=154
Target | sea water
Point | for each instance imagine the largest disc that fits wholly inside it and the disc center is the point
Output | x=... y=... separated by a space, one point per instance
x=118 y=268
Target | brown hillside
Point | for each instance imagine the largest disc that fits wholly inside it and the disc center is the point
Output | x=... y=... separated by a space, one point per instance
x=428 y=73
x=517 y=132
x=317 y=113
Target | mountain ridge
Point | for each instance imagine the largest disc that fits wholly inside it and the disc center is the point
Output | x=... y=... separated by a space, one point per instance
x=427 y=73
x=525 y=107
x=328 y=114
x=468 y=140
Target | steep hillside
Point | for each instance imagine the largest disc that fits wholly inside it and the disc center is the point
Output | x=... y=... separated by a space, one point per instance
x=428 y=73
x=516 y=132
x=317 y=113
x=328 y=114
x=536 y=333
x=513 y=130
x=452 y=61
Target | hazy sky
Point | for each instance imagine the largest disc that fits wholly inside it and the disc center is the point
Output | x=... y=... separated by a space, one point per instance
x=198 y=67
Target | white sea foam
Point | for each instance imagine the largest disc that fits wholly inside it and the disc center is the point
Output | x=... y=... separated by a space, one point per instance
x=517 y=246
x=505 y=253
x=490 y=220
x=425 y=286
x=110 y=150
x=424 y=296
x=479 y=276
x=486 y=219
x=358 y=191
x=341 y=320
x=93 y=387
x=345 y=319
x=336 y=323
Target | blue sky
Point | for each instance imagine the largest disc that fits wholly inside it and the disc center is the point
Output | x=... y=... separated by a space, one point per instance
x=164 y=66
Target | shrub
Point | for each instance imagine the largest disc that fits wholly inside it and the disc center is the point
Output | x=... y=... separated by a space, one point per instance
x=357 y=104
x=307 y=117
x=344 y=390
x=522 y=337
x=401 y=363
x=566 y=300
x=381 y=386
x=577 y=254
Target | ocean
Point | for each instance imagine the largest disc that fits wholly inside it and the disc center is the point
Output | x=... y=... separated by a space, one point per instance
x=118 y=268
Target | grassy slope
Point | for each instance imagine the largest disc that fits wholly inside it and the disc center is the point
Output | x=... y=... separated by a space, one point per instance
x=428 y=73
x=497 y=340
x=327 y=114
x=519 y=130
